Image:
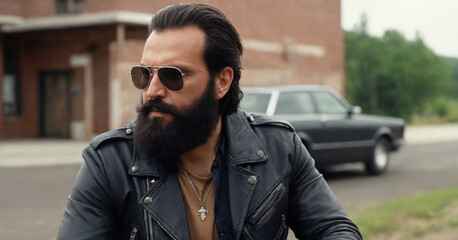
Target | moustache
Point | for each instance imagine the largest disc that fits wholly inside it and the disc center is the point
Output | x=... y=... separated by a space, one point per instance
x=158 y=105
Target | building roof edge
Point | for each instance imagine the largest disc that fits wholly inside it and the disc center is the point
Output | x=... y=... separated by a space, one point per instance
x=9 y=19
x=11 y=24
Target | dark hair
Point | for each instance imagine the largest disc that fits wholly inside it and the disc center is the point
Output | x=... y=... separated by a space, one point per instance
x=223 y=46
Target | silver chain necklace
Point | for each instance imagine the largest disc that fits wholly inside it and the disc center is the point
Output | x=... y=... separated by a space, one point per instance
x=202 y=212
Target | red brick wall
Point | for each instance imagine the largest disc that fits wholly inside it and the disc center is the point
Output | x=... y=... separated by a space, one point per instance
x=50 y=51
x=126 y=97
x=27 y=8
x=11 y=7
x=314 y=23
x=307 y=22
x=34 y=8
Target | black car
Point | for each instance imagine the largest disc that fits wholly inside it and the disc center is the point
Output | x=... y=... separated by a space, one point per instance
x=332 y=129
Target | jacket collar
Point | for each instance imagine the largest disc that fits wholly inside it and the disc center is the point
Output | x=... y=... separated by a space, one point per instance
x=242 y=145
x=141 y=165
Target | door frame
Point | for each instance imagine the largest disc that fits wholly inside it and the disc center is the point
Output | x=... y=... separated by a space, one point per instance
x=41 y=100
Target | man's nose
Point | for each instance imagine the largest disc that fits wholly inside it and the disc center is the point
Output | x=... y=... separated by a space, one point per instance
x=155 y=88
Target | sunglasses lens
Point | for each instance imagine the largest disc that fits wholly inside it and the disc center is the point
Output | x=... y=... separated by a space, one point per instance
x=140 y=77
x=171 y=78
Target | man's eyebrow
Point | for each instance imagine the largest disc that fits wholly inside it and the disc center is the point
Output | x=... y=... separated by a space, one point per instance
x=184 y=68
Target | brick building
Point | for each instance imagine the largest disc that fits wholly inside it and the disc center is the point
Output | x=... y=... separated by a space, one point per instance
x=64 y=64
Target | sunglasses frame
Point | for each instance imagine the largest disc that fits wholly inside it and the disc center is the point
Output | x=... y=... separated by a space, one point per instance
x=157 y=68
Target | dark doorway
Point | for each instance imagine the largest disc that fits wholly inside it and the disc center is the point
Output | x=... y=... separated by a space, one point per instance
x=55 y=104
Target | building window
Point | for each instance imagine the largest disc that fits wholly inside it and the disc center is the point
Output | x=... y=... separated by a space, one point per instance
x=69 y=6
x=10 y=82
x=10 y=95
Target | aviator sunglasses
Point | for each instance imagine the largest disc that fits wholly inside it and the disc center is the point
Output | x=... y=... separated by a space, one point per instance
x=170 y=77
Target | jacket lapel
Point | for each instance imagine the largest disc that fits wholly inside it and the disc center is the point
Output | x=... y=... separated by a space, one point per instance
x=142 y=166
x=167 y=206
x=240 y=192
x=244 y=150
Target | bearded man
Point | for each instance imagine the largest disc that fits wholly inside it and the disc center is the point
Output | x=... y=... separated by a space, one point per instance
x=194 y=166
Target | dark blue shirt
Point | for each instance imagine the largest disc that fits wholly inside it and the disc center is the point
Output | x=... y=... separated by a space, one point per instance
x=223 y=220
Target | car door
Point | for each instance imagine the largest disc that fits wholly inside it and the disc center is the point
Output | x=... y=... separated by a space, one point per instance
x=341 y=138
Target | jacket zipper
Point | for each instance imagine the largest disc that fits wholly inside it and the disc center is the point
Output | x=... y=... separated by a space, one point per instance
x=274 y=197
x=281 y=234
x=147 y=217
x=133 y=233
x=247 y=234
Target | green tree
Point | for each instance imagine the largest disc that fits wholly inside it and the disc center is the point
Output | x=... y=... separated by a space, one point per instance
x=453 y=90
x=391 y=75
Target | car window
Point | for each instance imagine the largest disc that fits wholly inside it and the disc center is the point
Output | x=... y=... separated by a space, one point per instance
x=294 y=103
x=255 y=102
x=329 y=104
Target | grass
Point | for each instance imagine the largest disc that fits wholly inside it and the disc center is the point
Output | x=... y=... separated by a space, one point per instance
x=439 y=111
x=410 y=218
x=432 y=119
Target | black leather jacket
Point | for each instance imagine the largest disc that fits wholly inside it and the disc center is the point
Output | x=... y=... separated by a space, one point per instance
x=273 y=185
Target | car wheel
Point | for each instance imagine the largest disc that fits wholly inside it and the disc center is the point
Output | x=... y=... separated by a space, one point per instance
x=378 y=163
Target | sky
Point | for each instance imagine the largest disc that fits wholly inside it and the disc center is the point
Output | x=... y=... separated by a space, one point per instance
x=435 y=20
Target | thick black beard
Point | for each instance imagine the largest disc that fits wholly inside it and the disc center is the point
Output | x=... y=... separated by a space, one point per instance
x=189 y=127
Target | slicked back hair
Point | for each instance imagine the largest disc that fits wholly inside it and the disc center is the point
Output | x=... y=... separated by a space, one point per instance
x=223 y=46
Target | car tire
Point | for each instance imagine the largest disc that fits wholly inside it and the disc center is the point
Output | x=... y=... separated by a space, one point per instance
x=378 y=162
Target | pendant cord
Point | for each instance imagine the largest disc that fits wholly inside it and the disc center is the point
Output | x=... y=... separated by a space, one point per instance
x=202 y=204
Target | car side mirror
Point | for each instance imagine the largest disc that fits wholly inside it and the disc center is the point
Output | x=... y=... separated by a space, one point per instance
x=356 y=110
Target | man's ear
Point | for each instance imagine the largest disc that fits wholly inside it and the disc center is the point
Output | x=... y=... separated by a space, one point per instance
x=223 y=82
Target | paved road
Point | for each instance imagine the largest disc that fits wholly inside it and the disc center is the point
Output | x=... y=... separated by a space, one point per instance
x=417 y=167
x=33 y=199
x=413 y=169
x=34 y=189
